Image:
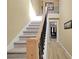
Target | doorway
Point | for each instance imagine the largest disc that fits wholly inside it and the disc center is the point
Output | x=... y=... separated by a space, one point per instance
x=54 y=30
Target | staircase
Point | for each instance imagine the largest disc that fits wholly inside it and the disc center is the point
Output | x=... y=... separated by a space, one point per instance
x=31 y=44
x=19 y=50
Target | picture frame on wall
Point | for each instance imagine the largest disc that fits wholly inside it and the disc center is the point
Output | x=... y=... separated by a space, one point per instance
x=68 y=24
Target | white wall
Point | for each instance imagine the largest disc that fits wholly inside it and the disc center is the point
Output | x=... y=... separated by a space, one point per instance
x=17 y=17
x=66 y=15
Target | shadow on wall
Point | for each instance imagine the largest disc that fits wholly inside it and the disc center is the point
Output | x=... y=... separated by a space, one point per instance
x=32 y=13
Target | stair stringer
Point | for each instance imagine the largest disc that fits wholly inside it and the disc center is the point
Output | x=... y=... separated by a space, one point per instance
x=11 y=45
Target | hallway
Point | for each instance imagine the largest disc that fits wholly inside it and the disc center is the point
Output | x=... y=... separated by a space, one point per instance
x=55 y=51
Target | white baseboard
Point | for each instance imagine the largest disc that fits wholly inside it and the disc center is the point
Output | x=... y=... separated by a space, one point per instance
x=11 y=45
x=65 y=49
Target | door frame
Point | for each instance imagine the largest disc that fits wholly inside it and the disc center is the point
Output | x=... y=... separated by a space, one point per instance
x=57 y=21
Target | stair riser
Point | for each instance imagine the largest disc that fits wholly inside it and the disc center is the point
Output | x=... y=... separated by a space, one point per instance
x=16 y=55
x=30 y=34
x=33 y=26
x=16 y=58
x=23 y=37
x=35 y=23
x=20 y=45
x=31 y=31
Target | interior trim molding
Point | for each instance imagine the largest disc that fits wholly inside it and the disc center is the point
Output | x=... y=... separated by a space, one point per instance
x=65 y=49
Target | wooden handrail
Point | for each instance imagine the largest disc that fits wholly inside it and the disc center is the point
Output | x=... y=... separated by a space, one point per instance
x=32 y=44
